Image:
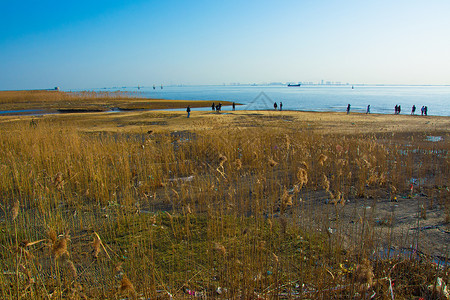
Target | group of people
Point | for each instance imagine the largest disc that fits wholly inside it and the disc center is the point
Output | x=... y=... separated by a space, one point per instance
x=214 y=107
x=218 y=107
x=423 y=110
x=397 y=110
x=275 y=106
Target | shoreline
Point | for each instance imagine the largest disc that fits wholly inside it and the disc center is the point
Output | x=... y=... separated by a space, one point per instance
x=172 y=106
x=164 y=120
x=49 y=102
x=37 y=102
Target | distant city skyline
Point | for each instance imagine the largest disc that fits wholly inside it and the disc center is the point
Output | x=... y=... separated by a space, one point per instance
x=320 y=83
x=85 y=45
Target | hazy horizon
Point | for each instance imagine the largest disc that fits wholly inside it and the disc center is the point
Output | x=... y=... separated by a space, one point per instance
x=262 y=84
x=85 y=45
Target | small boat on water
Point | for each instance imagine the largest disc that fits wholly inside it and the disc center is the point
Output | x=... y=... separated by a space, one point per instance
x=290 y=84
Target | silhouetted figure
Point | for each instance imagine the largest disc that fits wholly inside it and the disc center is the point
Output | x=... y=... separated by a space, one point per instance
x=220 y=106
x=413 y=110
x=281 y=106
x=395 y=109
x=213 y=106
x=275 y=106
x=188 y=110
x=234 y=106
x=425 y=111
x=33 y=123
x=348 y=109
x=399 y=109
x=368 y=109
x=422 y=110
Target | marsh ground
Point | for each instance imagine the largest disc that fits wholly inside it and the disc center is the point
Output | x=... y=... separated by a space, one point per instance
x=237 y=204
x=52 y=101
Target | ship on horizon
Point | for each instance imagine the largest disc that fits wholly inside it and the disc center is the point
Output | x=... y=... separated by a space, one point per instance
x=291 y=84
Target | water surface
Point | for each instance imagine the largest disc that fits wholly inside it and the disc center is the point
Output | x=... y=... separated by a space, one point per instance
x=382 y=99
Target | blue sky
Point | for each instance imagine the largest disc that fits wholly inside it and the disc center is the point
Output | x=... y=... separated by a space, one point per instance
x=93 y=44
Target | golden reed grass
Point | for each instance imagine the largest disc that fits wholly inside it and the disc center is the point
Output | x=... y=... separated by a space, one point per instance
x=15 y=210
x=302 y=177
x=72 y=269
x=364 y=275
x=272 y=163
x=217 y=231
x=322 y=159
x=126 y=287
x=222 y=159
x=219 y=248
x=60 y=247
x=96 y=246
x=238 y=164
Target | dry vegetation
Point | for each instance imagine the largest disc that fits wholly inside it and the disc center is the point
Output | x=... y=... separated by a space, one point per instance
x=238 y=206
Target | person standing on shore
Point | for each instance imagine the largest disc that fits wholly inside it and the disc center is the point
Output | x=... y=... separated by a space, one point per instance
x=399 y=109
x=275 y=105
x=188 y=110
x=422 y=110
x=395 y=109
x=348 y=109
x=281 y=106
x=413 y=110
x=213 y=106
x=425 y=110
x=368 y=109
x=234 y=106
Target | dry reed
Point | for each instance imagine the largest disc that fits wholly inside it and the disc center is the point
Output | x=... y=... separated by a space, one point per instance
x=96 y=246
x=364 y=275
x=244 y=229
x=302 y=177
x=322 y=159
x=15 y=210
x=59 y=247
x=126 y=287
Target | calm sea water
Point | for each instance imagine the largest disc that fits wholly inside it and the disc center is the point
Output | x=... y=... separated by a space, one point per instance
x=382 y=99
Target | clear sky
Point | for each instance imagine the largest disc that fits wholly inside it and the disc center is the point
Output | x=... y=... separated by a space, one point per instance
x=91 y=44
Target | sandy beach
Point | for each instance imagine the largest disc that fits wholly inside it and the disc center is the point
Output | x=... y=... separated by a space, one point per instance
x=319 y=122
